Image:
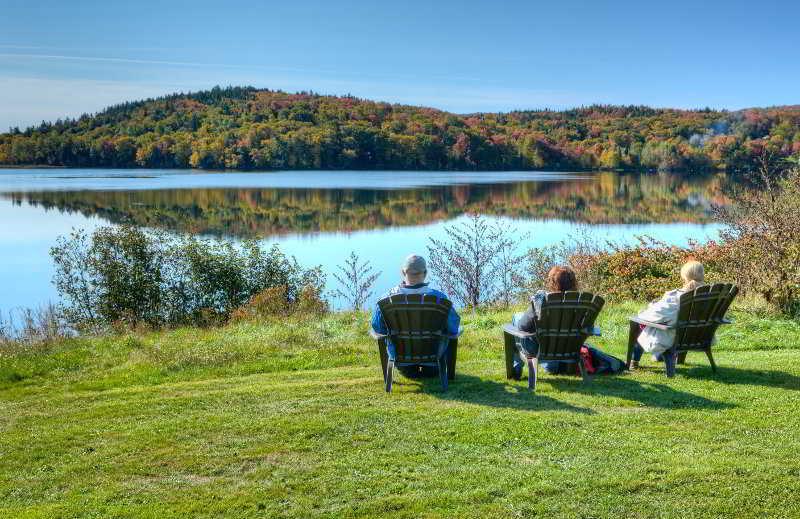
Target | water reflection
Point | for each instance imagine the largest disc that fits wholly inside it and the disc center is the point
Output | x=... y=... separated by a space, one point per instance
x=603 y=198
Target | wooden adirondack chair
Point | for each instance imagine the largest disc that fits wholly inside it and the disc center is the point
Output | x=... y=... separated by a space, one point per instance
x=418 y=330
x=700 y=313
x=566 y=320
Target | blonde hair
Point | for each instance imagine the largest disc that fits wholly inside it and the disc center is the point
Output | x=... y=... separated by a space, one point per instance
x=692 y=274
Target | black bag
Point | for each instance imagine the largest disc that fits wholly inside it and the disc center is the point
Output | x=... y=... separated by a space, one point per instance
x=605 y=364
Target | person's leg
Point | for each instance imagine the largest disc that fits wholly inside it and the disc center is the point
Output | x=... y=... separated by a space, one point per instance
x=519 y=362
x=558 y=367
x=428 y=371
x=638 y=351
x=412 y=371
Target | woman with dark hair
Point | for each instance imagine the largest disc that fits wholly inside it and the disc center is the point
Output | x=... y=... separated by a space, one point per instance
x=559 y=279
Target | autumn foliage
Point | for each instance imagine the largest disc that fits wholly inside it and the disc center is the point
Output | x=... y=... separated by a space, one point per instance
x=246 y=128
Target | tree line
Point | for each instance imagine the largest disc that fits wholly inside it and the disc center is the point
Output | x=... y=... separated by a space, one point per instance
x=247 y=128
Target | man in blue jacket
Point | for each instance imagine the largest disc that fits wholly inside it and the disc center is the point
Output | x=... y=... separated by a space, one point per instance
x=413 y=271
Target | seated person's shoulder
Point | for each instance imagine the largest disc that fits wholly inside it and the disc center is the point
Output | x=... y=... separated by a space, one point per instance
x=438 y=293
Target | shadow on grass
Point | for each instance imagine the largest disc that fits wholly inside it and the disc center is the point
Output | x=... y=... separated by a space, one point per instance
x=481 y=391
x=515 y=394
x=660 y=394
x=748 y=377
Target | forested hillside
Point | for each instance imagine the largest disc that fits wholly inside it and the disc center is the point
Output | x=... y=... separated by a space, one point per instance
x=247 y=128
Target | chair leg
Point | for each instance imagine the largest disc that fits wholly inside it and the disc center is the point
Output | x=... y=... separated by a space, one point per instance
x=533 y=364
x=443 y=372
x=633 y=334
x=383 y=356
x=511 y=350
x=670 y=357
x=451 y=359
x=389 y=370
x=585 y=377
x=682 y=357
x=711 y=360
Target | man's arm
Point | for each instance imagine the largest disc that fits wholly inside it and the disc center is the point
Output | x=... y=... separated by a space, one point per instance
x=453 y=322
x=377 y=321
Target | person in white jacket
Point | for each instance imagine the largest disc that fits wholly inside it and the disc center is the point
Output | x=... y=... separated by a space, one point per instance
x=665 y=311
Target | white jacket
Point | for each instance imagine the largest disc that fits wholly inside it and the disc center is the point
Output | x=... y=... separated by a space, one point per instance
x=663 y=311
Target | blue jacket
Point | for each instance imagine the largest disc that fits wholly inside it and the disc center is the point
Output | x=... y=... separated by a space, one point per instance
x=453 y=319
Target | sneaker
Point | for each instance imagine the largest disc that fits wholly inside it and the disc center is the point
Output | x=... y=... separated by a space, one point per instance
x=634 y=365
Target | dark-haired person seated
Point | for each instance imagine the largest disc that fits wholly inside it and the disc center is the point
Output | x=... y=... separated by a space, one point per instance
x=413 y=274
x=559 y=279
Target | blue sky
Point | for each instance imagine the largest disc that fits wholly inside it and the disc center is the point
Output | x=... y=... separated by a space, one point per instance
x=67 y=57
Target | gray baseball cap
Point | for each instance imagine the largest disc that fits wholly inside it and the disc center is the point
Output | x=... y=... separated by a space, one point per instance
x=414 y=265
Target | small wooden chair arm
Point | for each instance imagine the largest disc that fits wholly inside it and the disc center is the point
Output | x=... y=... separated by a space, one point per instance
x=457 y=334
x=516 y=332
x=593 y=331
x=376 y=335
x=379 y=336
x=660 y=326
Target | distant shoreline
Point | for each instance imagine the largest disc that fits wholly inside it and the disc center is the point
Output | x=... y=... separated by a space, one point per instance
x=626 y=171
x=36 y=166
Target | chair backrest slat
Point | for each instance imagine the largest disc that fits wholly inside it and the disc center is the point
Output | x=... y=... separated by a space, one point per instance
x=565 y=318
x=417 y=324
x=700 y=313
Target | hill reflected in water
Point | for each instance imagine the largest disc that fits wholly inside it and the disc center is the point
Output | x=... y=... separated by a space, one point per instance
x=603 y=198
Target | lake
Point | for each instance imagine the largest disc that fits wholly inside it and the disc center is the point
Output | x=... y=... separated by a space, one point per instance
x=320 y=216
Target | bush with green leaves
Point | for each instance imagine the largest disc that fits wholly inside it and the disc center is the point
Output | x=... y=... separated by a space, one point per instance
x=761 y=237
x=129 y=276
x=639 y=271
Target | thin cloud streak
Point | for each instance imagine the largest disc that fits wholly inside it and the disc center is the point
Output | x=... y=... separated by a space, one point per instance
x=142 y=61
x=118 y=60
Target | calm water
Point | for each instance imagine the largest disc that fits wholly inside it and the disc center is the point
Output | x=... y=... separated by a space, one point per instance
x=321 y=216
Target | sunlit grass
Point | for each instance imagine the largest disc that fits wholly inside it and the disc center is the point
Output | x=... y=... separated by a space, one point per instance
x=288 y=419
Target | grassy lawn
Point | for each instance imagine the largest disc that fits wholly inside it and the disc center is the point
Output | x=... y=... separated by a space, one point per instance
x=289 y=419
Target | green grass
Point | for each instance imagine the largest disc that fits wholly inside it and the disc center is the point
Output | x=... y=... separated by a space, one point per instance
x=289 y=419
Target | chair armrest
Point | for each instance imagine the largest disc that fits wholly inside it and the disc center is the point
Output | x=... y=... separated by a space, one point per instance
x=376 y=335
x=593 y=331
x=457 y=334
x=659 y=326
x=725 y=321
x=516 y=332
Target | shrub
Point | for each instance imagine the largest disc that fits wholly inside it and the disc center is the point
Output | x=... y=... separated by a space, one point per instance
x=576 y=251
x=641 y=271
x=124 y=276
x=761 y=239
x=273 y=302
x=112 y=276
x=27 y=326
x=355 y=281
x=478 y=262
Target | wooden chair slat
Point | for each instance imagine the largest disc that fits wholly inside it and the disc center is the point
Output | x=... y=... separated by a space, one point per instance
x=562 y=327
x=700 y=313
x=417 y=326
